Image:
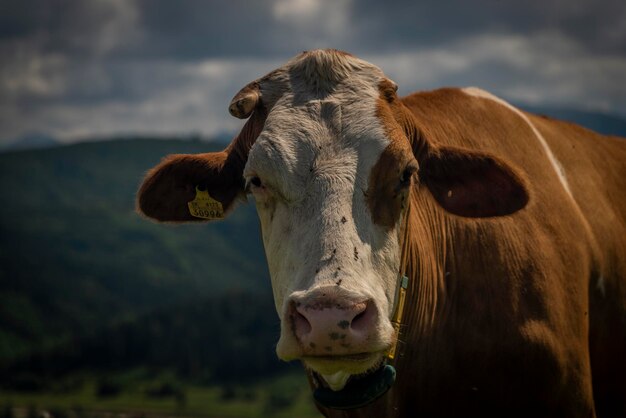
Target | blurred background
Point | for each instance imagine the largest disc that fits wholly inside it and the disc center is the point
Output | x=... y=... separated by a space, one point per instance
x=104 y=312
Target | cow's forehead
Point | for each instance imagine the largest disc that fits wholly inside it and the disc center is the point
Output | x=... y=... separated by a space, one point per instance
x=321 y=73
x=322 y=105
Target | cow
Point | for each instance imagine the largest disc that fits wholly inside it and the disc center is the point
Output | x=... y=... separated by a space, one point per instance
x=440 y=254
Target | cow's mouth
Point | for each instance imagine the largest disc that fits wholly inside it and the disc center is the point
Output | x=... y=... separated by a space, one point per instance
x=340 y=358
x=351 y=364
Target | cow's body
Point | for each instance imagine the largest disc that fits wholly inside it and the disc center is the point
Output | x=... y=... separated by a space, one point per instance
x=514 y=314
x=515 y=308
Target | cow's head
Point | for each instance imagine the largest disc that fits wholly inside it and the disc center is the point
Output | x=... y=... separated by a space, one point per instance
x=331 y=157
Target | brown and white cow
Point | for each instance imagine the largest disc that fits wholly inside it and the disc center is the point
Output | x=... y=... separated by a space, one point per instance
x=513 y=228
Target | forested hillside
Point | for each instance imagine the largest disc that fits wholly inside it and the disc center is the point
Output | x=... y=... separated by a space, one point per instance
x=74 y=256
x=226 y=338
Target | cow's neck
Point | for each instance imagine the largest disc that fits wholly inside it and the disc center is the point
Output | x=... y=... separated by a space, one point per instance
x=426 y=264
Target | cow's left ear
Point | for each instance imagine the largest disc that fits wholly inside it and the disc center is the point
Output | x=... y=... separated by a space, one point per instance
x=472 y=184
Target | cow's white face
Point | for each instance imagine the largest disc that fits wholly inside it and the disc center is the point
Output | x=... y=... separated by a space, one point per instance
x=312 y=172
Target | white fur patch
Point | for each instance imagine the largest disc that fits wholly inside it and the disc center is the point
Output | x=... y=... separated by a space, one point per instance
x=558 y=168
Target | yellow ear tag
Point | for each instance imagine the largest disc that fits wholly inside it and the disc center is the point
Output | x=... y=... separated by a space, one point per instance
x=204 y=206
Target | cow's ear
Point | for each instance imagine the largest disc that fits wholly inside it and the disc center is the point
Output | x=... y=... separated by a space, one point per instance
x=169 y=187
x=179 y=179
x=472 y=184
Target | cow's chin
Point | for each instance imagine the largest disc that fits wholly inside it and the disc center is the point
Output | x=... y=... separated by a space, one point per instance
x=354 y=364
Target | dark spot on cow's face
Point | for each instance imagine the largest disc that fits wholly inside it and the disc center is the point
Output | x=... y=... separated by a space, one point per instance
x=343 y=220
x=331 y=257
x=356 y=254
x=333 y=336
x=343 y=324
x=338 y=282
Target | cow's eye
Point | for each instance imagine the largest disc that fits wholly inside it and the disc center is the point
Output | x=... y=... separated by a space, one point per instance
x=254 y=185
x=256 y=181
x=407 y=173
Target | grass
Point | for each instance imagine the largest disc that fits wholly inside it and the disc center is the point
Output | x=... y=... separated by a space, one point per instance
x=285 y=396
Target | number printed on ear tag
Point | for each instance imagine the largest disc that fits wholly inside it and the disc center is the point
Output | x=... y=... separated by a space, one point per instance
x=204 y=206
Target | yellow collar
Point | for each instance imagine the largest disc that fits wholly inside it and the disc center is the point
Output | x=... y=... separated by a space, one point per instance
x=403 y=284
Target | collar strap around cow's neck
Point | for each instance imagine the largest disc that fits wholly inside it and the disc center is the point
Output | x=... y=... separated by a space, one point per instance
x=396 y=321
x=401 y=288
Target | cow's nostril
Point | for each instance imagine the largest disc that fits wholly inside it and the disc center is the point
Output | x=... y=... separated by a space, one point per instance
x=301 y=325
x=362 y=320
x=359 y=316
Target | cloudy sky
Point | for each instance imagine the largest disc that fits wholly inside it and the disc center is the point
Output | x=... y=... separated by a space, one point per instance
x=92 y=68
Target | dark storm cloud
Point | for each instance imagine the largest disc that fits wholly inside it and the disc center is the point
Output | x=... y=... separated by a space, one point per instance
x=199 y=29
x=595 y=24
x=68 y=27
x=75 y=67
x=196 y=29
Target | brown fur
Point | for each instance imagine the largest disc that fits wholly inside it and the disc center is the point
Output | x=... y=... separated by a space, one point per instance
x=505 y=317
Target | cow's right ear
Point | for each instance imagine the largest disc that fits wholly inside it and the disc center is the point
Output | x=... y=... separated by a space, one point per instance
x=169 y=187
